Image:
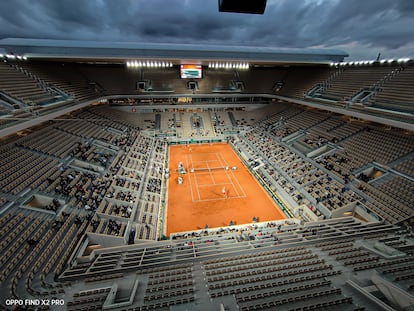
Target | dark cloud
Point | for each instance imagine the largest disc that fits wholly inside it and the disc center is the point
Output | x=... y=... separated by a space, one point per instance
x=372 y=24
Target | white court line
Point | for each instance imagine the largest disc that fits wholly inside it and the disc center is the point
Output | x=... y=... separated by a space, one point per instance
x=232 y=173
x=189 y=179
x=211 y=174
x=219 y=199
x=214 y=184
x=235 y=177
x=195 y=179
x=227 y=174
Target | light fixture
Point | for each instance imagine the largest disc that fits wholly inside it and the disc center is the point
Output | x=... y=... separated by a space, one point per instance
x=403 y=60
x=229 y=65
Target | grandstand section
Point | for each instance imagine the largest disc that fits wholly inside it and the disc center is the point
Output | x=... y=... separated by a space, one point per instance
x=87 y=169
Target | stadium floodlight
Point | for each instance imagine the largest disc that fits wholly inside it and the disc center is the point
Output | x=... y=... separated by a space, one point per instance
x=403 y=60
x=24 y=57
x=11 y=56
x=171 y=64
x=366 y=62
x=390 y=60
x=19 y=57
x=1 y=55
x=382 y=61
x=371 y=62
x=135 y=64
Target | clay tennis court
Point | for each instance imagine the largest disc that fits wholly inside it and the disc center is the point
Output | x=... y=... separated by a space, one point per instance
x=216 y=189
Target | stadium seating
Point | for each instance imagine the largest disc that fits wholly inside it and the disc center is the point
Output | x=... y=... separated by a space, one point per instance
x=104 y=166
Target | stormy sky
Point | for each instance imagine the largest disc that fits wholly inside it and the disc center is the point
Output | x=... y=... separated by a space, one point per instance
x=363 y=28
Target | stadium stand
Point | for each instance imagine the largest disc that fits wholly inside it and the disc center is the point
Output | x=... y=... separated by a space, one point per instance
x=82 y=196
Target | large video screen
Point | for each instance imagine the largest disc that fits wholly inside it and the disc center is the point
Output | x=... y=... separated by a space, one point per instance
x=191 y=71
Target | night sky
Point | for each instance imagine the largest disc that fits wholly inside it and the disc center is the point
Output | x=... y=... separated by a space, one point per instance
x=363 y=28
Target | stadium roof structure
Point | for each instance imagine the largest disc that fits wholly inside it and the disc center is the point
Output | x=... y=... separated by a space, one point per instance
x=99 y=51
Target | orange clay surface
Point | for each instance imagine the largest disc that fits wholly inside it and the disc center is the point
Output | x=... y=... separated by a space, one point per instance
x=199 y=200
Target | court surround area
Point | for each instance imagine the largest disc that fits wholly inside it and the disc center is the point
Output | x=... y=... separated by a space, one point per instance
x=209 y=186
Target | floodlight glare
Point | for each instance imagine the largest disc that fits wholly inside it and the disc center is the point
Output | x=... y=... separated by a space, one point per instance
x=403 y=60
